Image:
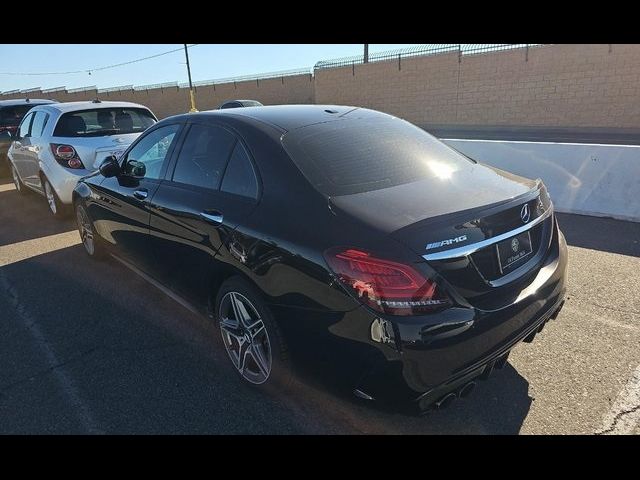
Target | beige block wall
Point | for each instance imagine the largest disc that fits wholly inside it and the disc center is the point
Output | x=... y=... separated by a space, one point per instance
x=555 y=85
x=419 y=89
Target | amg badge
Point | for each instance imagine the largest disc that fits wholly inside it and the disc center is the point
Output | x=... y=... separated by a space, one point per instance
x=449 y=241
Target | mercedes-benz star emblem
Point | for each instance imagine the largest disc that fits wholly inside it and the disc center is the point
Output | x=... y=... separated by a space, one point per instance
x=515 y=244
x=525 y=215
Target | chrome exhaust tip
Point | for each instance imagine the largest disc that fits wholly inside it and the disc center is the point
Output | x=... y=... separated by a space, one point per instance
x=445 y=401
x=467 y=389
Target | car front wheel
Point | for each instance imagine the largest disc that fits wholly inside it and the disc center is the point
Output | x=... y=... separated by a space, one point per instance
x=87 y=233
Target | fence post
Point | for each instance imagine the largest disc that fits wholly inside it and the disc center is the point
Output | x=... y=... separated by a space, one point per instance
x=459 y=53
x=526 y=55
x=353 y=68
x=610 y=49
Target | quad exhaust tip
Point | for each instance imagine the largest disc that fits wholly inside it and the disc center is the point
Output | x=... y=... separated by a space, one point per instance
x=445 y=401
x=467 y=389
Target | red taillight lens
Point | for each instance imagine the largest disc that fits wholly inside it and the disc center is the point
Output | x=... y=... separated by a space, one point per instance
x=386 y=286
x=66 y=156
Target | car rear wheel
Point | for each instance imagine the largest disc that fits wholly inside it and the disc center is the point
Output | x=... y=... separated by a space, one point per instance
x=87 y=233
x=17 y=182
x=55 y=205
x=251 y=336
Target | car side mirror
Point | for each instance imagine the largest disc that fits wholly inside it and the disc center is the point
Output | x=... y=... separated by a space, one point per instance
x=136 y=169
x=110 y=167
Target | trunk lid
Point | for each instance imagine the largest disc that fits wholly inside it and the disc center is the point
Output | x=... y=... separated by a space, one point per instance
x=454 y=225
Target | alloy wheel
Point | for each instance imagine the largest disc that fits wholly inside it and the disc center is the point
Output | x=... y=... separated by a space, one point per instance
x=86 y=230
x=245 y=338
x=51 y=199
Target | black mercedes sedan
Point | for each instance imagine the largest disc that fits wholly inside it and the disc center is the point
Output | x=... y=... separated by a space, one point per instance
x=335 y=236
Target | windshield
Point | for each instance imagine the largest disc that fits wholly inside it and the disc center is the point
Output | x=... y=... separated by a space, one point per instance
x=350 y=156
x=100 y=122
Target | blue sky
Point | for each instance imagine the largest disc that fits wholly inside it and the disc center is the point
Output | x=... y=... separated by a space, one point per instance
x=208 y=61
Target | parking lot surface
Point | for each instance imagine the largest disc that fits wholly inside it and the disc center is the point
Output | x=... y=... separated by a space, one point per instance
x=90 y=347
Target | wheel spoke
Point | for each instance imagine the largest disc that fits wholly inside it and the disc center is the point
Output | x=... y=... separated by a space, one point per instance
x=242 y=315
x=259 y=360
x=231 y=328
x=256 y=329
x=243 y=352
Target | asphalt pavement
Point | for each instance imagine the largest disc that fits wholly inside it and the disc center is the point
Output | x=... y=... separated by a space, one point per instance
x=90 y=347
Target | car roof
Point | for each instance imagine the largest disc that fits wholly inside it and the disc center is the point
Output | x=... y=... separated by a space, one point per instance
x=65 y=107
x=290 y=117
x=24 y=101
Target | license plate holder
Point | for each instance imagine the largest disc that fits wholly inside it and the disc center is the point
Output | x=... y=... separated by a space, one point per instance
x=514 y=251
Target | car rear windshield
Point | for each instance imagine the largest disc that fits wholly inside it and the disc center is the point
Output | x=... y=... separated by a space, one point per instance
x=11 y=116
x=350 y=156
x=100 y=122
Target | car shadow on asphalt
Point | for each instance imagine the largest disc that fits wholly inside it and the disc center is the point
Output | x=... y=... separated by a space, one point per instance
x=498 y=405
x=26 y=217
x=604 y=234
x=139 y=362
x=144 y=364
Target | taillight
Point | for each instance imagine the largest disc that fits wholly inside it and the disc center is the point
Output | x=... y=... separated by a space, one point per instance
x=66 y=155
x=386 y=286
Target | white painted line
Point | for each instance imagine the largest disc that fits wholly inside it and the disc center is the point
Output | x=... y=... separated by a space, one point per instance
x=540 y=143
x=16 y=252
x=624 y=416
x=7 y=187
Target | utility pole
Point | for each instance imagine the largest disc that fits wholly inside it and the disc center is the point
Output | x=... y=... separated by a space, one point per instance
x=191 y=95
x=366 y=53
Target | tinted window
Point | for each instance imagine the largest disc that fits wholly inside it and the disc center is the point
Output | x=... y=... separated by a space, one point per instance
x=11 y=116
x=357 y=155
x=104 y=121
x=152 y=150
x=203 y=156
x=39 y=122
x=240 y=178
x=24 y=130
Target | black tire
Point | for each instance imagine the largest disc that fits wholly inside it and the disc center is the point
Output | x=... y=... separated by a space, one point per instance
x=90 y=240
x=56 y=207
x=21 y=189
x=280 y=372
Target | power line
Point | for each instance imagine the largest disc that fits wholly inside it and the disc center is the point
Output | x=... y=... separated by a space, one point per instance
x=90 y=70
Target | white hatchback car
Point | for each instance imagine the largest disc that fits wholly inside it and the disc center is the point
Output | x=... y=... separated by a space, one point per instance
x=57 y=144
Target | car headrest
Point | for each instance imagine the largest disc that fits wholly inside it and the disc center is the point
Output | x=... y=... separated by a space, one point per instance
x=124 y=121
x=75 y=123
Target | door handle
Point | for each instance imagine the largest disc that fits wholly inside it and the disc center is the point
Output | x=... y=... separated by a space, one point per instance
x=212 y=216
x=141 y=194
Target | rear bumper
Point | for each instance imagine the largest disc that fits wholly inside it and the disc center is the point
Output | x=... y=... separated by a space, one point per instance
x=437 y=356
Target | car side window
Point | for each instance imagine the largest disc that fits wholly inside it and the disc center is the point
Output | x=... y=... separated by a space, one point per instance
x=240 y=177
x=203 y=156
x=25 y=127
x=151 y=151
x=39 y=122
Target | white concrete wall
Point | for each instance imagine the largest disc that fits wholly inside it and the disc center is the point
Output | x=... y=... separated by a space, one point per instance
x=600 y=180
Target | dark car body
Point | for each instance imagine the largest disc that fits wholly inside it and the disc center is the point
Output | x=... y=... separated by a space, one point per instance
x=11 y=113
x=321 y=184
